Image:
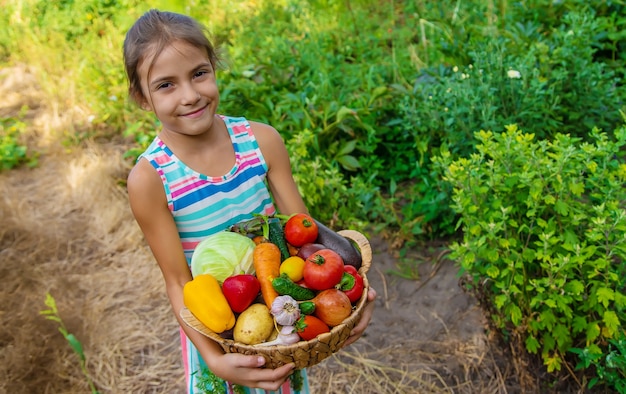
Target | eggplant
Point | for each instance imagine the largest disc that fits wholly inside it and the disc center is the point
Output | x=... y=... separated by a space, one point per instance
x=340 y=244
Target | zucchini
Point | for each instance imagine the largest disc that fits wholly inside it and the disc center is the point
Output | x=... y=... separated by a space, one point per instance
x=277 y=237
x=285 y=286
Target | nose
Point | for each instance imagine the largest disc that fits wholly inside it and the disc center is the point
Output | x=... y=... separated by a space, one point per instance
x=189 y=94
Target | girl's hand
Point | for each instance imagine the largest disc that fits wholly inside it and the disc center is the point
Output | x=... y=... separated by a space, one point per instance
x=247 y=371
x=368 y=311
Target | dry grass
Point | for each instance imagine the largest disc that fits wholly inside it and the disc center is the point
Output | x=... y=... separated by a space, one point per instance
x=412 y=367
x=66 y=229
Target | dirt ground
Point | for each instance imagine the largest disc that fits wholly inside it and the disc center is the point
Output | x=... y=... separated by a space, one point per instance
x=66 y=229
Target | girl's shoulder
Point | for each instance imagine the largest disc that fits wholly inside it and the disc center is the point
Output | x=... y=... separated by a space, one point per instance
x=263 y=130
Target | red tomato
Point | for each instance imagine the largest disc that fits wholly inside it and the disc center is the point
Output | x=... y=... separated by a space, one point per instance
x=323 y=270
x=300 y=229
x=309 y=327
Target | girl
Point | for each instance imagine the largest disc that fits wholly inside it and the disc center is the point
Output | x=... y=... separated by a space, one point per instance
x=202 y=173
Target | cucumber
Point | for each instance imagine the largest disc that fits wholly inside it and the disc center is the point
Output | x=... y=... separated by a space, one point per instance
x=277 y=237
x=307 y=307
x=285 y=286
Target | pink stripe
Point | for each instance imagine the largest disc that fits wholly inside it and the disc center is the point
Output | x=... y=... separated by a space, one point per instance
x=249 y=156
x=239 y=128
x=183 y=344
x=183 y=190
x=182 y=182
x=190 y=245
x=162 y=159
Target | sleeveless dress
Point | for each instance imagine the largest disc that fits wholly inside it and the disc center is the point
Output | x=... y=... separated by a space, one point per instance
x=202 y=205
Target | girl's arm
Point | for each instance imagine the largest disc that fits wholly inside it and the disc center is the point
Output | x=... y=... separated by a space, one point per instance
x=149 y=206
x=280 y=178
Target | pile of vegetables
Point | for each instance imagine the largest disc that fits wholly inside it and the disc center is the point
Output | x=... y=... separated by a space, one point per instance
x=274 y=280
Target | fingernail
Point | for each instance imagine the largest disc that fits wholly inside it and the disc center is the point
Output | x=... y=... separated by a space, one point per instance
x=260 y=360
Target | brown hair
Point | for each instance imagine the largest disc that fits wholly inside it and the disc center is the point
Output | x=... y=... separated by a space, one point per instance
x=151 y=33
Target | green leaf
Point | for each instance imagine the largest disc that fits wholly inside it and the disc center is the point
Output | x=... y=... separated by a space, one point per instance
x=76 y=345
x=550 y=303
x=605 y=296
x=500 y=300
x=620 y=300
x=493 y=255
x=529 y=254
x=349 y=162
x=516 y=314
x=561 y=208
x=579 y=324
x=574 y=287
x=347 y=148
x=611 y=321
x=593 y=331
x=344 y=112
x=532 y=344
x=493 y=271
x=552 y=363
x=548 y=319
x=562 y=335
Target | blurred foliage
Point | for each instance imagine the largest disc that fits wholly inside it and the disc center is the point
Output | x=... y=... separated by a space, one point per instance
x=13 y=151
x=364 y=93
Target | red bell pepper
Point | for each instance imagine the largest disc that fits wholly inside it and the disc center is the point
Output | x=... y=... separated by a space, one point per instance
x=240 y=291
x=351 y=283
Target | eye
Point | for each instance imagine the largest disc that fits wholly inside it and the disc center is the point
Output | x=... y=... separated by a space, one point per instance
x=201 y=73
x=164 y=85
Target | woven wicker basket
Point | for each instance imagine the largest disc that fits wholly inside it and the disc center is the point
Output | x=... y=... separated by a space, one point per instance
x=304 y=353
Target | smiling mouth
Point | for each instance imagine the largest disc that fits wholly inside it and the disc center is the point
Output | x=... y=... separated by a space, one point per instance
x=195 y=114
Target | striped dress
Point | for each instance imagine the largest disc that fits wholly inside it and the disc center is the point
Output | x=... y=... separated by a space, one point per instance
x=202 y=205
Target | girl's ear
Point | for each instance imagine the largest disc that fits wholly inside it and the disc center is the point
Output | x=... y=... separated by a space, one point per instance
x=145 y=105
x=141 y=100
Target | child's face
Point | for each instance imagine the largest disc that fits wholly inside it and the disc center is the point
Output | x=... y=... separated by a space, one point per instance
x=180 y=88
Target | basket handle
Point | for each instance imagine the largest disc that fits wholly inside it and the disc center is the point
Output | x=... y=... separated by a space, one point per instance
x=363 y=245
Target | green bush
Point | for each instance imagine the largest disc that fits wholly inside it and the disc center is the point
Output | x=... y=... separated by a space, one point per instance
x=544 y=236
x=552 y=85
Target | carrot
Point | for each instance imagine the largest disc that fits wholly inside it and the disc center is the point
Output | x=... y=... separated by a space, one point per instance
x=266 y=259
x=292 y=249
x=258 y=239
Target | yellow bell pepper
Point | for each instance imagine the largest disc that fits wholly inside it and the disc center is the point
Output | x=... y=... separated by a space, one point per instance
x=204 y=298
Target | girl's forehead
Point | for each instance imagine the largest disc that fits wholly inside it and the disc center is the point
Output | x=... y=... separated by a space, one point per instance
x=170 y=53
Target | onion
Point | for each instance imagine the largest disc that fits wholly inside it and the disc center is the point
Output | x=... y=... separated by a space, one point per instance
x=308 y=249
x=332 y=306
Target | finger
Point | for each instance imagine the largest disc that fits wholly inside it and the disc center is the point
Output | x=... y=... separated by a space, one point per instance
x=284 y=371
x=371 y=294
x=272 y=379
x=249 y=361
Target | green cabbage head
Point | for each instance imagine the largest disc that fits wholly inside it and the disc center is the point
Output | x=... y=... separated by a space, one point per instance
x=223 y=254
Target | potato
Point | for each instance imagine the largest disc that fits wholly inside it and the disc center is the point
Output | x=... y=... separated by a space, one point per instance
x=254 y=325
